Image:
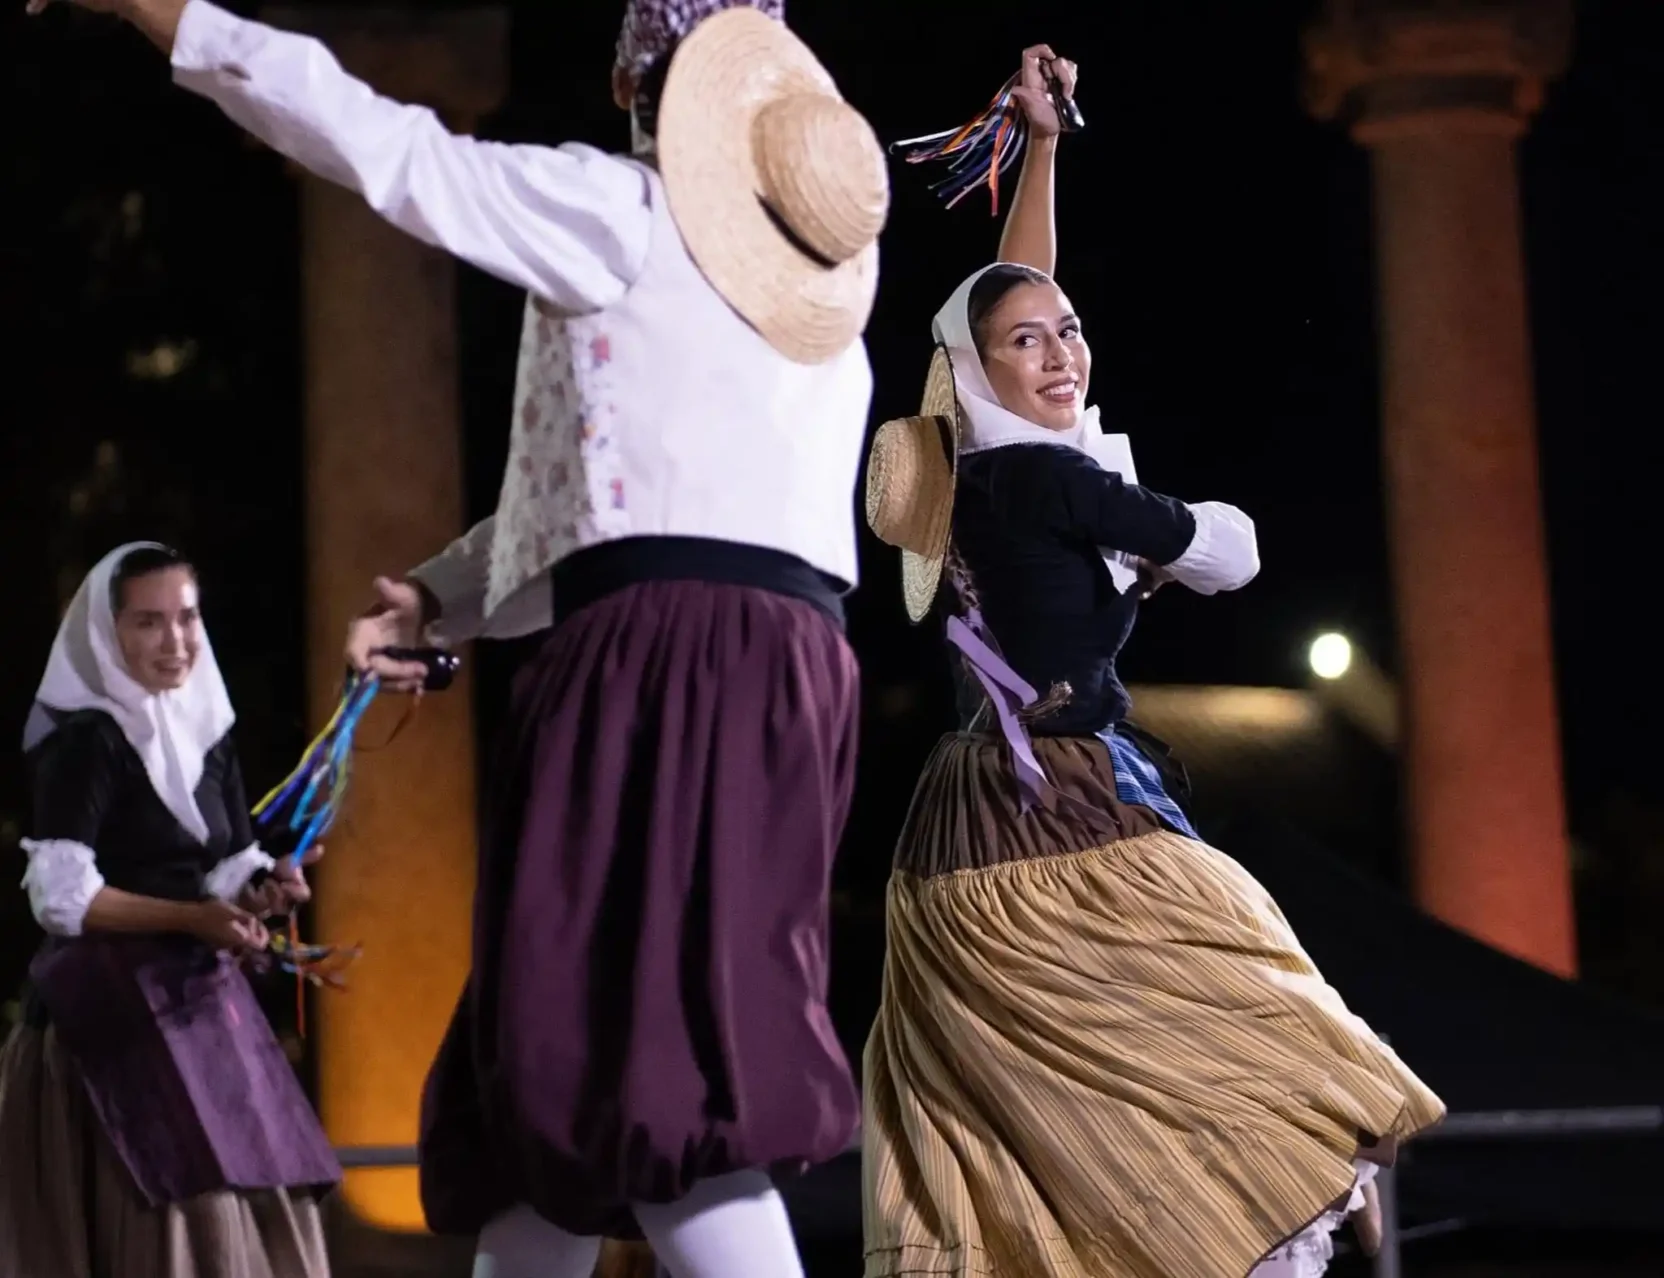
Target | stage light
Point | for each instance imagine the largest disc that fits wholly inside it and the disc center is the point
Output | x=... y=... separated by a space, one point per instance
x=1330 y=656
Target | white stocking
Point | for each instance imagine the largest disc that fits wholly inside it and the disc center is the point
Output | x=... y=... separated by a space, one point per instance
x=521 y=1244
x=732 y=1226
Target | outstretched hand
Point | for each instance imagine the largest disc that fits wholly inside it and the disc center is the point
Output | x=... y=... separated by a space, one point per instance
x=1033 y=89
x=157 y=19
x=394 y=622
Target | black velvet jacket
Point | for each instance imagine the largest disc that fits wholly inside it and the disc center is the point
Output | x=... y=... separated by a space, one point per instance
x=91 y=787
x=1028 y=521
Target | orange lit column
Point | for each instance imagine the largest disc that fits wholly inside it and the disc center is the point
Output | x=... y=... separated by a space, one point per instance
x=384 y=490
x=1439 y=94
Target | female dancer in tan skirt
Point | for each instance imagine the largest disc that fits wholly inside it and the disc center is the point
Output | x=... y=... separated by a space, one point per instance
x=1101 y=1052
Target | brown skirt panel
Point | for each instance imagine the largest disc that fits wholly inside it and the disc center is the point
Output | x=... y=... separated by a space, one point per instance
x=69 y=1207
x=967 y=812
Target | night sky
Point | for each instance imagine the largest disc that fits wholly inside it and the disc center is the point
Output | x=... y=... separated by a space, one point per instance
x=1214 y=237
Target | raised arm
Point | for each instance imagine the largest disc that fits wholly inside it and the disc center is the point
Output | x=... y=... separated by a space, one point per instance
x=1030 y=235
x=569 y=224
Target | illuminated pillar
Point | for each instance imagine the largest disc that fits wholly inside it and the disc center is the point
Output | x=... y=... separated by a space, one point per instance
x=1439 y=93
x=384 y=490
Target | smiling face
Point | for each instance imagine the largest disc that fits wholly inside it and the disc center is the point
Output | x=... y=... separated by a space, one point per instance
x=1035 y=357
x=159 y=628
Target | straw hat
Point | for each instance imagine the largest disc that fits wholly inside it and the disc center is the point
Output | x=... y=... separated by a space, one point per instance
x=911 y=472
x=778 y=185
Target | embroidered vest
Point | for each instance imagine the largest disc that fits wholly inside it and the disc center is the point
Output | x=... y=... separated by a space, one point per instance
x=667 y=414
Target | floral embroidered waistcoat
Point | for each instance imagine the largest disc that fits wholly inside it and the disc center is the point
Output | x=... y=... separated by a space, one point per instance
x=667 y=414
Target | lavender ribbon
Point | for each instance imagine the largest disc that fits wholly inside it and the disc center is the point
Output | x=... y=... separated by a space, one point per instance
x=1008 y=692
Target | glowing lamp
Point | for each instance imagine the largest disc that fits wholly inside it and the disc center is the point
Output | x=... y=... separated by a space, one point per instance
x=1330 y=656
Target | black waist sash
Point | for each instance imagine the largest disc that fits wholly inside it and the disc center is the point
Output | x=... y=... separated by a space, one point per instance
x=597 y=571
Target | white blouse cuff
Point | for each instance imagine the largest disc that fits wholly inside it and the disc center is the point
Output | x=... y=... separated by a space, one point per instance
x=228 y=879
x=61 y=881
x=1223 y=555
x=202 y=37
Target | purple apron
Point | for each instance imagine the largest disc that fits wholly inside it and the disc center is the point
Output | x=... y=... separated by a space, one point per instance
x=181 y=1067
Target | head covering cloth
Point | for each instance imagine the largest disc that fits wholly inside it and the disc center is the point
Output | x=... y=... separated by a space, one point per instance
x=171 y=732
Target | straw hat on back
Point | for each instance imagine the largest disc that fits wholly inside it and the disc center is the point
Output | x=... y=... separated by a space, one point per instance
x=778 y=186
x=911 y=472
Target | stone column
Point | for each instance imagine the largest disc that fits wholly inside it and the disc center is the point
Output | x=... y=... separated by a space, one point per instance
x=1440 y=91
x=384 y=490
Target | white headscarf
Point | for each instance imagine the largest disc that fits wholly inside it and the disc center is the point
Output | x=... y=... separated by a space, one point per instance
x=171 y=731
x=988 y=424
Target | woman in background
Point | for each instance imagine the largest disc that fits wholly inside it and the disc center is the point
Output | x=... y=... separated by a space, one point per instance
x=150 y=1125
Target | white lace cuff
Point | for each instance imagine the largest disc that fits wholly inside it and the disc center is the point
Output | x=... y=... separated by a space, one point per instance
x=228 y=879
x=1223 y=555
x=61 y=881
x=457 y=577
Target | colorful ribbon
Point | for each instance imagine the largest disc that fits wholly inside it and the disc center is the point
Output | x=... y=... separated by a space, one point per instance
x=977 y=153
x=300 y=810
x=315 y=964
x=291 y=820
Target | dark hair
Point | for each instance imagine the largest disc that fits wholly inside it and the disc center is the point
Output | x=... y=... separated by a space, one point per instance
x=649 y=91
x=141 y=563
x=990 y=290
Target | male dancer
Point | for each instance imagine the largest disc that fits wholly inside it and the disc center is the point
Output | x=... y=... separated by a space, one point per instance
x=643 y=1036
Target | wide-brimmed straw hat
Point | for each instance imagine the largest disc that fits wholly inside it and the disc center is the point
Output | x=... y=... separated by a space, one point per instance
x=778 y=186
x=911 y=472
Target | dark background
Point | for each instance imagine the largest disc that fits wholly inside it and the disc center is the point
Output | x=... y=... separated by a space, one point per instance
x=1215 y=238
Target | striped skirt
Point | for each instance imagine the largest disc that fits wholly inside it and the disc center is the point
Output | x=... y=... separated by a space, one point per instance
x=1101 y=1052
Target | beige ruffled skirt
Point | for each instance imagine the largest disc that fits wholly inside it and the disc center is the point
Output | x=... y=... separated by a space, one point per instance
x=1101 y=1052
x=69 y=1208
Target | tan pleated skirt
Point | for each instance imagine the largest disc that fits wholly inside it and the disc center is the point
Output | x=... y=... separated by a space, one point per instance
x=1101 y=1052
x=69 y=1208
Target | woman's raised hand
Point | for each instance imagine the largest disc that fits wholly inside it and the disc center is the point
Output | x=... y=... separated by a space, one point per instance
x=1033 y=91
